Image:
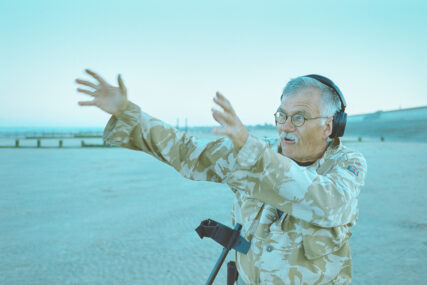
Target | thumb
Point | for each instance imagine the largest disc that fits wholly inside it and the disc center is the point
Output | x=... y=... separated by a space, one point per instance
x=122 y=85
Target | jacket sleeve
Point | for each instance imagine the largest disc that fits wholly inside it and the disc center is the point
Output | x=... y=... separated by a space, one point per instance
x=194 y=159
x=325 y=200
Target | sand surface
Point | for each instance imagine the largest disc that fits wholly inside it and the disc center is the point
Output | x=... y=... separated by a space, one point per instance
x=116 y=216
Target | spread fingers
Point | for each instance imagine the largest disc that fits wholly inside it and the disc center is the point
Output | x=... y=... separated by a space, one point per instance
x=224 y=119
x=223 y=102
x=87 y=103
x=90 y=93
x=86 y=83
x=96 y=76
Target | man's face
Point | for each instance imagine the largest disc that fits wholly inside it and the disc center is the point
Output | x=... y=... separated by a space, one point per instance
x=310 y=138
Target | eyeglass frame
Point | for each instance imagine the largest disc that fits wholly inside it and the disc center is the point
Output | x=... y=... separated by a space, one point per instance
x=292 y=120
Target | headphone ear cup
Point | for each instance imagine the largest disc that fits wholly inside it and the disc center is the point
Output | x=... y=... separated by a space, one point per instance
x=338 y=126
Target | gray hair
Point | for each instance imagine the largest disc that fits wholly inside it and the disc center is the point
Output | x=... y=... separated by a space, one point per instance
x=331 y=102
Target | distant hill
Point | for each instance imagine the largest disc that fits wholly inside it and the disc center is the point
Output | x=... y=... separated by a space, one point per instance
x=397 y=125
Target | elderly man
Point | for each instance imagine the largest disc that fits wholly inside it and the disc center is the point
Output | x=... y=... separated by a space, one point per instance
x=296 y=203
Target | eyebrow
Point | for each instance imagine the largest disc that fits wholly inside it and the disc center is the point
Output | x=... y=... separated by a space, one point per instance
x=303 y=112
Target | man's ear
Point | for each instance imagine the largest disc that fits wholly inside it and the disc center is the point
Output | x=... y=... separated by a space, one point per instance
x=327 y=127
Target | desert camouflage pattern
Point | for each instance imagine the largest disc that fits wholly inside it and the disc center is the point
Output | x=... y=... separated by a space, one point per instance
x=309 y=242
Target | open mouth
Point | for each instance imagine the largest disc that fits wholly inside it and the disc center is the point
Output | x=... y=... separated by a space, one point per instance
x=288 y=140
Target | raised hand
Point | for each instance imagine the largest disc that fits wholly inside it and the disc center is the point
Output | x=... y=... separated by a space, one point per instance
x=232 y=127
x=108 y=98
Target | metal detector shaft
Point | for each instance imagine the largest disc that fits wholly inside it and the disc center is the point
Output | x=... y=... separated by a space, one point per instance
x=223 y=255
x=217 y=266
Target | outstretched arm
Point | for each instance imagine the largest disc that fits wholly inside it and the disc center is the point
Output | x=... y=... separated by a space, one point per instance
x=131 y=128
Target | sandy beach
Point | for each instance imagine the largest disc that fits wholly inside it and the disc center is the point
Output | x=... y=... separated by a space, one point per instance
x=116 y=216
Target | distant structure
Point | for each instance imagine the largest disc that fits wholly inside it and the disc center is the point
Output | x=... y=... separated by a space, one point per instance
x=397 y=125
x=400 y=114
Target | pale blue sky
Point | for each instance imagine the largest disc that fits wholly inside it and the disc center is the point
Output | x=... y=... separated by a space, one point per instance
x=174 y=55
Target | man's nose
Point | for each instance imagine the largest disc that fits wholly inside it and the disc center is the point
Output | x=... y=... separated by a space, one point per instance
x=287 y=126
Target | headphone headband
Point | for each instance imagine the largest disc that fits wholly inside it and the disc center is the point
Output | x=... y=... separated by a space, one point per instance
x=340 y=118
x=332 y=85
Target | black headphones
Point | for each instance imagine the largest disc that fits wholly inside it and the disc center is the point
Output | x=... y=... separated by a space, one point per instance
x=340 y=117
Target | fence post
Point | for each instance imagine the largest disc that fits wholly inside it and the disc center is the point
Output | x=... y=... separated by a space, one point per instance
x=39 y=143
x=16 y=143
x=60 y=143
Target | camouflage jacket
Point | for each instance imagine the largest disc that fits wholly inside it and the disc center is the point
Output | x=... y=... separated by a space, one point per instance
x=309 y=242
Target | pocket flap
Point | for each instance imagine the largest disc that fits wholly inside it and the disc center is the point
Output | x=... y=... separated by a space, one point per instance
x=323 y=241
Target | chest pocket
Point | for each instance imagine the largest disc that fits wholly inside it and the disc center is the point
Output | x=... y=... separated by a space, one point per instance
x=267 y=217
x=319 y=241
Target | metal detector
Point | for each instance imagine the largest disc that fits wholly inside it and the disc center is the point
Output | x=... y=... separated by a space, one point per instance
x=229 y=239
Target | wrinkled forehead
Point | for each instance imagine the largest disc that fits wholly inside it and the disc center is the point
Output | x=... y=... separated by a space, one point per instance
x=306 y=101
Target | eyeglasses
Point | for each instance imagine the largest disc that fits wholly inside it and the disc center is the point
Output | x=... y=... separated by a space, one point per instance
x=297 y=119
